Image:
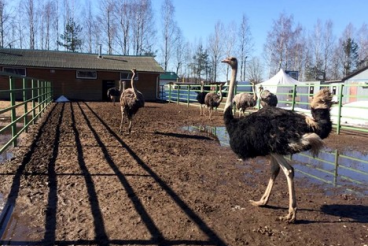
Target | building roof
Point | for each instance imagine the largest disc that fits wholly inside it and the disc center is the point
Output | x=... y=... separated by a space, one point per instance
x=73 y=60
x=349 y=76
x=169 y=76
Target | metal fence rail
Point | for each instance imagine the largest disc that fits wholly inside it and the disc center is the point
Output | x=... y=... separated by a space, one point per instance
x=22 y=103
x=349 y=111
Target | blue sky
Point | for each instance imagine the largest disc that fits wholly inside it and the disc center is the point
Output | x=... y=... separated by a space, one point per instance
x=197 y=18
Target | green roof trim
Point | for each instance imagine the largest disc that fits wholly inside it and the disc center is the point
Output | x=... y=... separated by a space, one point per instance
x=169 y=76
x=74 y=60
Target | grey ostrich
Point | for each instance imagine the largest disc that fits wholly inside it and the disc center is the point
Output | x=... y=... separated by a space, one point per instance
x=113 y=93
x=131 y=100
x=200 y=98
x=213 y=100
x=276 y=132
x=268 y=99
x=245 y=100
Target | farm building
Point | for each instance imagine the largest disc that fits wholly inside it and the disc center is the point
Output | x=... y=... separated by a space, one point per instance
x=81 y=76
x=355 y=86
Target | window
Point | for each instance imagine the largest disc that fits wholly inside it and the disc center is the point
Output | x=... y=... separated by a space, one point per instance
x=83 y=74
x=127 y=76
x=14 y=70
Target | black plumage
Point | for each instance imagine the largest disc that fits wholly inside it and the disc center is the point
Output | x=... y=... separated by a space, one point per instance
x=113 y=94
x=276 y=132
x=200 y=98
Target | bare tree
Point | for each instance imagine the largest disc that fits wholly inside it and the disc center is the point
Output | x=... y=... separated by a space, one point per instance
x=179 y=51
x=284 y=45
x=6 y=24
x=168 y=30
x=107 y=21
x=89 y=28
x=229 y=44
x=245 y=45
x=255 y=70
x=328 y=44
x=215 y=47
x=278 y=42
x=297 y=47
x=143 y=27
x=362 y=41
x=48 y=16
x=30 y=19
x=321 y=41
x=125 y=17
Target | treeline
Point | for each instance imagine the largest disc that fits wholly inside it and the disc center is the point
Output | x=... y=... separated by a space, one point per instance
x=132 y=27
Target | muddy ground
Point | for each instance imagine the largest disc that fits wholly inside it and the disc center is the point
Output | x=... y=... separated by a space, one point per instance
x=76 y=181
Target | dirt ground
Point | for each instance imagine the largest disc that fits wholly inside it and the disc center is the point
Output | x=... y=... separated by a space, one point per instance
x=75 y=180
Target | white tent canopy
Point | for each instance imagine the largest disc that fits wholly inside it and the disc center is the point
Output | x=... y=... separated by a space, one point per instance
x=281 y=84
x=62 y=99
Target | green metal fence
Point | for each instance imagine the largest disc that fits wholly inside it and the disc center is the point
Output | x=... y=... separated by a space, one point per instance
x=349 y=111
x=22 y=102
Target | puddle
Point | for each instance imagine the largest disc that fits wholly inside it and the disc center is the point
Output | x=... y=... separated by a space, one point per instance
x=346 y=170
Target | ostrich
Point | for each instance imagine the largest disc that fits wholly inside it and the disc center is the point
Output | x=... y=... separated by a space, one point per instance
x=114 y=93
x=213 y=100
x=276 y=132
x=200 y=98
x=268 y=99
x=130 y=101
x=245 y=100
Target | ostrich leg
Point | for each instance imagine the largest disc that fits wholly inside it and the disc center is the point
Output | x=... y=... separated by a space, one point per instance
x=122 y=120
x=130 y=126
x=275 y=170
x=289 y=173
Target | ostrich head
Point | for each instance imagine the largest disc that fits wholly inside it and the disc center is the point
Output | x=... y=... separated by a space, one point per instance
x=232 y=61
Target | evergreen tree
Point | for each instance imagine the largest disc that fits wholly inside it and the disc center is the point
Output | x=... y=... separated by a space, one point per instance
x=200 y=59
x=71 y=42
x=351 y=56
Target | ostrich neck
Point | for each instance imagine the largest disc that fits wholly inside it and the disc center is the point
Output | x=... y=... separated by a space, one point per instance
x=220 y=99
x=254 y=91
x=232 y=85
x=132 y=84
x=202 y=89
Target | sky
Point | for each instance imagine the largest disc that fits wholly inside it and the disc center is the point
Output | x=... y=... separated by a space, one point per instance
x=197 y=18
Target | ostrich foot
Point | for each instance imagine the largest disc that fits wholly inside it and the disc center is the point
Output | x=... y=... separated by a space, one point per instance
x=290 y=218
x=260 y=203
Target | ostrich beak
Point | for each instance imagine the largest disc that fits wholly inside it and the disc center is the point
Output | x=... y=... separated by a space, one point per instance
x=226 y=60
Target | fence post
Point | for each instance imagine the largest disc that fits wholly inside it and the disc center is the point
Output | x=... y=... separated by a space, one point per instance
x=25 y=120
x=13 y=114
x=336 y=167
x=188 y=97
x=178 y=94
x=39 y=97
x=338 y=124
x=169 y=92
x=33 y=101
x=294 y=95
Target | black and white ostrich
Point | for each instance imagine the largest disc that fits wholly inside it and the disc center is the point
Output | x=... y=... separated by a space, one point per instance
x=213 y=100
x=268 y=99
x=113 y=93
x=131 y=100
x=276 y=132
x=200 y=98
x=245 y=100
